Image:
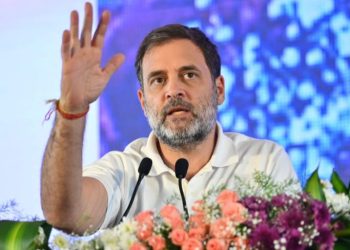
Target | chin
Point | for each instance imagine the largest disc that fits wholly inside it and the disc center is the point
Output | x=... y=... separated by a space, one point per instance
x=178 y=125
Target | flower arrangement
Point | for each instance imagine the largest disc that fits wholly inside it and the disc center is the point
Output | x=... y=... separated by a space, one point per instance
x=336 y=195
x=271 y=216
x=286 y=222
x=261 y=214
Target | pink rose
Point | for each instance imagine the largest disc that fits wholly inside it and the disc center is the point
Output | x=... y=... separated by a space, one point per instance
x=172 y=216
x=234 y=210
x=198 y=232
x=198 y=226
x=192 y=244
x=145 y=216
x=138 y=246
x=226 y=196
x=198 y=206
x=178 y=236
x=144 y=231
x=197 y=220
x=156 y=242
x=240 y=244
x=144 y=225
x=221 y=228
x=216 y=244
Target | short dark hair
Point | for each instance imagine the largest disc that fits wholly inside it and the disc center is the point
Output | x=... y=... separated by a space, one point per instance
x=177 y=31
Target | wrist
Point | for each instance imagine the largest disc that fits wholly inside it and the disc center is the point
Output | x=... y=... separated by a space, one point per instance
x=70 y=115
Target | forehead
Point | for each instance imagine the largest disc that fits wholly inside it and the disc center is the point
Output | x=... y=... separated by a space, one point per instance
x=173 y=55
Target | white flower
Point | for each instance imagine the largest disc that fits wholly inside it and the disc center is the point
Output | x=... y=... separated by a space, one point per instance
x=109 y=238
x=327 y=184
x=127 y=233
x=120 y=237
x=61 y=242
x=83 y=245
x=40 y=238
x=340 y=203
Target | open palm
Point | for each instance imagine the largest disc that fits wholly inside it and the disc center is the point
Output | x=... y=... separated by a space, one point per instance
x=83 y=78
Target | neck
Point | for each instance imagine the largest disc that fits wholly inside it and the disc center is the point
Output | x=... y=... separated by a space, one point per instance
x=197 y=155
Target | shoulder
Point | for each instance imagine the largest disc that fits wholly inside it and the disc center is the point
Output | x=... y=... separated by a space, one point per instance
x=130 y=157
x=136 y=147
x=262 y=155
x=114 y=160
x=244 y=142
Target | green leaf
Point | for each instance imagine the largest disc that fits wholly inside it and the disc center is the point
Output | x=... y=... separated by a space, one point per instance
x=343 y=233
x=16 y=235
x=342 y=244
x=338 y=184
x=343 y=220
x=314 y=188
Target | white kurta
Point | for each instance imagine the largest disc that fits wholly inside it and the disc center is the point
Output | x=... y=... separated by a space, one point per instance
x=234 y=155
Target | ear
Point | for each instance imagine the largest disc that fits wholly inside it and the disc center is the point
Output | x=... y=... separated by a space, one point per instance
x=141 y=97
x=220 y=89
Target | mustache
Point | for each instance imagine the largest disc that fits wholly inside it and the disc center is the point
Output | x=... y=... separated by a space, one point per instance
x=176 y=102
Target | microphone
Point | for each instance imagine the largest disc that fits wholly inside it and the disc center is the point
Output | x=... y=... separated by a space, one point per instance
x=144 y=168
x=181 y=167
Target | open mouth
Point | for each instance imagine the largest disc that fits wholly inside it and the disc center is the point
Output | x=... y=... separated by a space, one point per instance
x=177 y=110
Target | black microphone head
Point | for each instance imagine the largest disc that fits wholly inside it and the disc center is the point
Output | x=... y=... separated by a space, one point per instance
x=181 y=167
x=145 y=166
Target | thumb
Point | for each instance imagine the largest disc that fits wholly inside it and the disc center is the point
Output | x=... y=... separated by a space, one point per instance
x=113 y=64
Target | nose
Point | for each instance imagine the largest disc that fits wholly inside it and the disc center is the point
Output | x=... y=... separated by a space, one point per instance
x=174 y=88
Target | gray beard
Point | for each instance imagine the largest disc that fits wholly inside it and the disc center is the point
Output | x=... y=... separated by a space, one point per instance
x=189 y=136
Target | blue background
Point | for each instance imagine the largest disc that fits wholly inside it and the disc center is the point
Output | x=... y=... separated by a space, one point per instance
x=286 y=65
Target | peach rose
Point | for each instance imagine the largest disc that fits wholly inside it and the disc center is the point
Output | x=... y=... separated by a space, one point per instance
x=197 y=232
x=178 y=236
x=156 y=242
x=234 y=210
x=192 y=244
x=221 y=228
x=216 y=244
x=145 y=225
x=172 y=216
x=226 y=196
x=145 y=216
x=144 y=231
x=198 y=206
x=240 y=244
x=138 y=246
x=197 y=220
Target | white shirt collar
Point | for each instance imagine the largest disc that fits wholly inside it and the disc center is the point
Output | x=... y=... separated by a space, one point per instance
x=222 y=155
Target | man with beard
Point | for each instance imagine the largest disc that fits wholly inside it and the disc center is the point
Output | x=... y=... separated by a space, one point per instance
x=181 y=87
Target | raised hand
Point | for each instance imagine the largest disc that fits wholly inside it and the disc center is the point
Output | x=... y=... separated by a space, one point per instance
x=83 y=78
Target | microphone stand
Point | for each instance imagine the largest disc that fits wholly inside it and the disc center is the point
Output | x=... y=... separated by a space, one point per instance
x=144 y=168
x=181 y=167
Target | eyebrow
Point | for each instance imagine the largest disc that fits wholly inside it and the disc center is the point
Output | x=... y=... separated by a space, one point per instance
x=189 y=67
x=181 y=69
x=155 y=73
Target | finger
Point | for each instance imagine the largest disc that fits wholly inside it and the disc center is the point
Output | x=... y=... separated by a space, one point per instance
x=114 y=64
x=86 y=32
x=74 y=31
x=65 y=47
x=101 y=30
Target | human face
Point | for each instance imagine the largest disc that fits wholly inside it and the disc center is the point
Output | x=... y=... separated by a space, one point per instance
x=179 y=96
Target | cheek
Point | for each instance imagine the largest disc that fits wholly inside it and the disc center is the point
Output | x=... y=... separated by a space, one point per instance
x=154 y=101
x=151 y=107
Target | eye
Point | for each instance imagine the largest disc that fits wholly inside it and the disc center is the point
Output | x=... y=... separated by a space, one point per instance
x=157 y=80
x=189 y=75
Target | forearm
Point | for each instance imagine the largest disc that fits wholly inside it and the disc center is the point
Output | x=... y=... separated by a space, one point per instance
x=70 y=201
x=61 y=177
